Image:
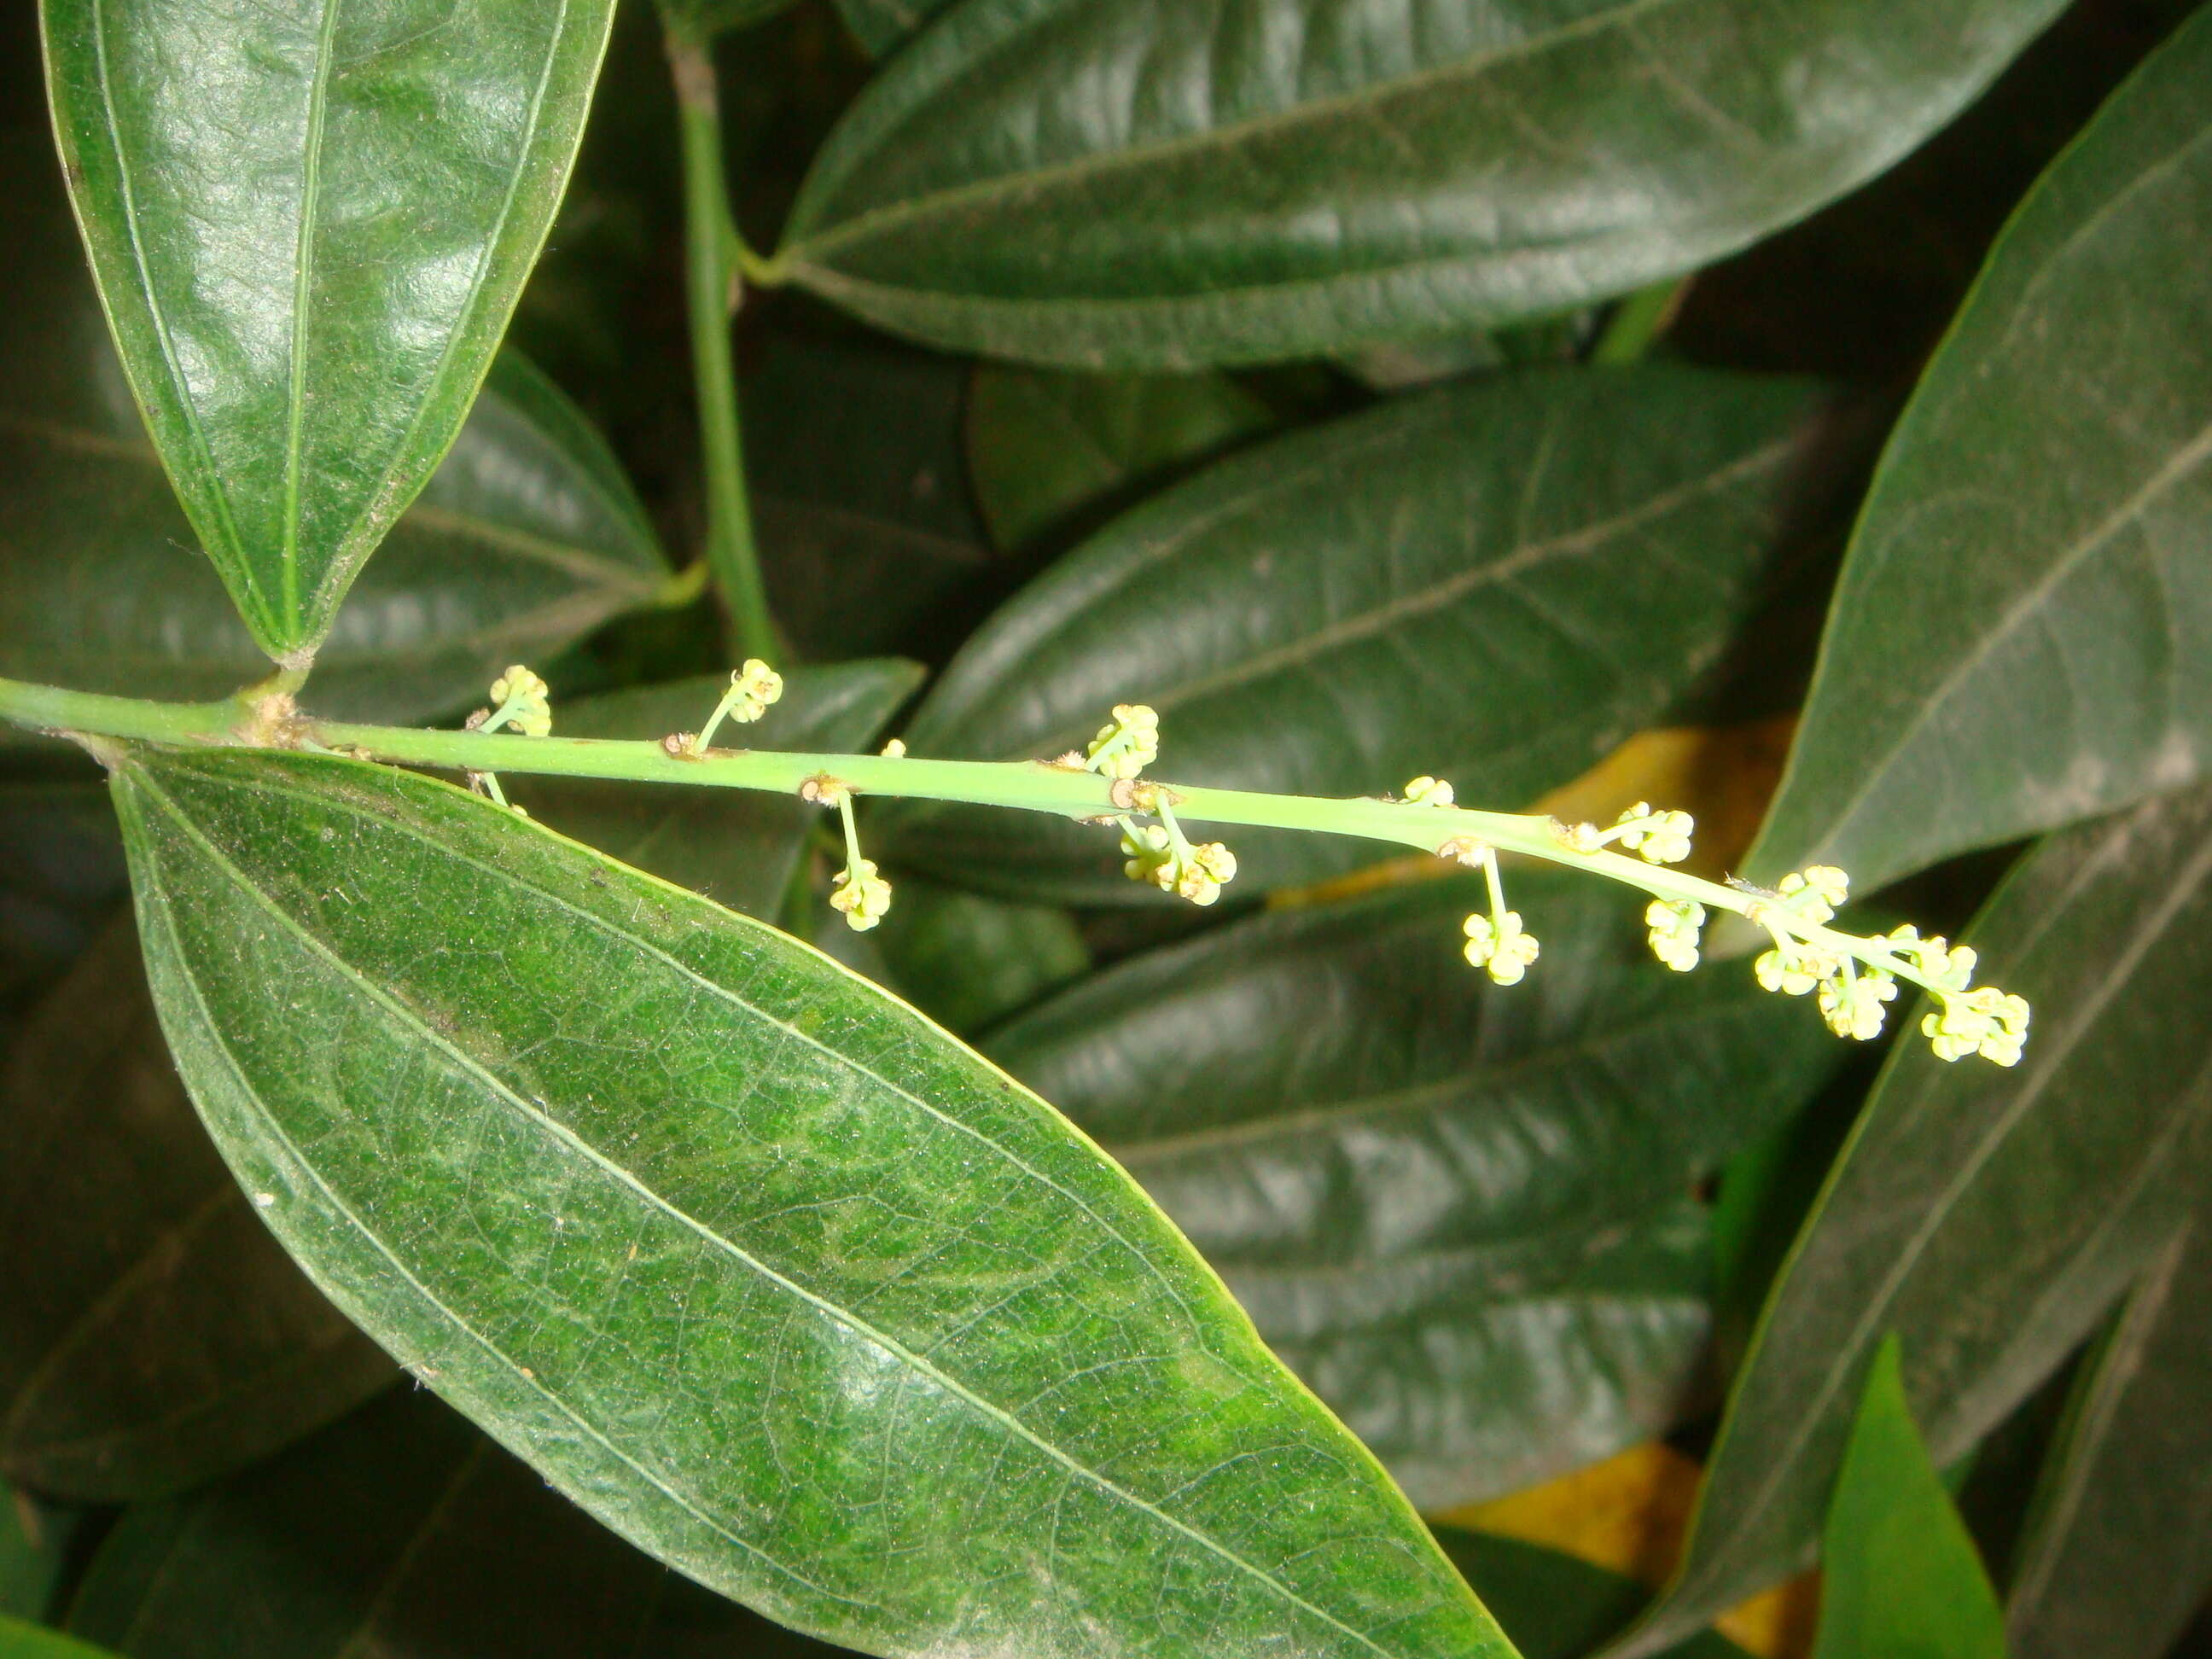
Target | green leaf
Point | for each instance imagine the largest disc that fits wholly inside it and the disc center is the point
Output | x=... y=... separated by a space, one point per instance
x=967 y=960
x=881 y=25
x=1554 y=1605
x=736 y=846
x=2022 y=636
x=1497 y=584
x=773 y=1278
x=869 y=542
x=153 y=1335
x=1988 y=1217
x=1135 y=184
x=443 y=1544
x=1045 y=446
x=2119 y=1550
x=34 y=1542
x=20 y=1641
x=1900 y=1575
x=1416 y=1181
x=309 y=225
x=527 y=536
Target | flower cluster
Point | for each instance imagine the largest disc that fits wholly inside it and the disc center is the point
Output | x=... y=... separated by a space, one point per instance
x=753 y=689
x=1856 y=984
x=1661 y=836
x=522 y=702
x=860 y=895
x=1675 y=925
x=1500 y=943
x=1161 y=855
x=1127 y=744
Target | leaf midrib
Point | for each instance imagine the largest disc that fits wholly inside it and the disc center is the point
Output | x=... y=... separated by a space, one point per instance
x=1469 y=67
x=560 y=1132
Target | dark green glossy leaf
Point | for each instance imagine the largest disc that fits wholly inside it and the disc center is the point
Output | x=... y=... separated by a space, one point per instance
x=1898 y=1574
x=309 y=225
x=869 y=542
x=526 y=537
x=1045 y=446
x=1554 y=1605
x=2023 y=633
x=1416 y=1181
x=777 y=1280
x=967 y=960
x=880 y=24
x=1988 y=1217
x=19 y=1640
x=738 y=847
x=443 y=1546
x=1495 y=583
x=2118 y=1552
x=1148 y=183
x=152 y=1336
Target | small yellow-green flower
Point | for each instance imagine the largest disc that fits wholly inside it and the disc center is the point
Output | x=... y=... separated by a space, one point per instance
x=860 y=894
x=1853 y=1006
x=1501 y=946
x=1816 y=892
x=1661 y=837
x=1988 y=1021
x=1127 y=743
x=521 y=700
x=1675 y=927
x=756 y=685
x=1425 y=791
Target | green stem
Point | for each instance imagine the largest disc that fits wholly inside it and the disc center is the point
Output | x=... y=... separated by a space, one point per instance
x=1638 y=321
x=1025 y=786
x=711 y=263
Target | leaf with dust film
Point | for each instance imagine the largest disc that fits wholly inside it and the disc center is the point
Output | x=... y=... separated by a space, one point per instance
x=527 y=536
x=310 y=224
x=738 y=846
x=2022 y=633
x=446 y=1547
x=153 y=1336
x=1163 y=184
x=785 y=1286
x=1495 y=584
x=1988 y=1217
x=2117 y=1554
x=1455 y=1208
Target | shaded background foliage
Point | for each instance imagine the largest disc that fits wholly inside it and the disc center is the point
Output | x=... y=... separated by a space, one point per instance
x=1504 y=1235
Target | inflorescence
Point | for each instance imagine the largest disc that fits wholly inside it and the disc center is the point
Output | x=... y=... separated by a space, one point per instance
x=1852 y=978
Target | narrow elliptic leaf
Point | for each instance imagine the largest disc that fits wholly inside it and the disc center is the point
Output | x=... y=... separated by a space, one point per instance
x=1495 y=584
x=1988 y=1217
x=1046 y=447
x=763 y=1269
x=1417 y=1180
x=1554 y=1605
x=967 y=960
x=153 y=1335
x=2022 y=636
x=881 y=25
x=1151 y=184
x=1898 y=1572
x=34 y=1544
x=442 y=1544
x=2118 y=1551
x=19 y=1640
x=309 y=224
x=737 y=847
x=526 y=537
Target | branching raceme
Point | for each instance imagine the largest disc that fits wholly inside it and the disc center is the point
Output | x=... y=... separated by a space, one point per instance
x=1855 y=976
